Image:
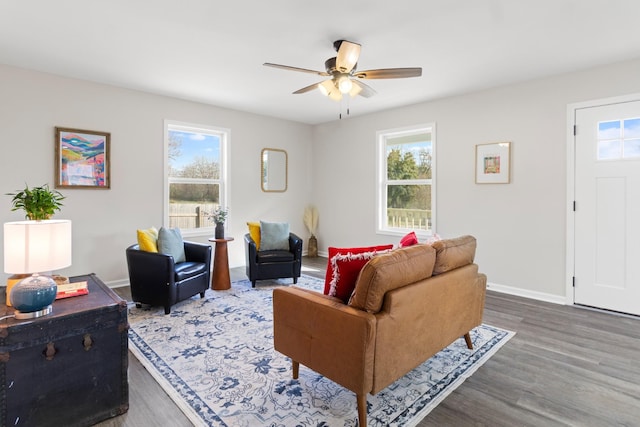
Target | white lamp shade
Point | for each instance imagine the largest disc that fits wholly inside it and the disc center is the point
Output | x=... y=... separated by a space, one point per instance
x=330 y=90
x=344 y=84
x=36 y=246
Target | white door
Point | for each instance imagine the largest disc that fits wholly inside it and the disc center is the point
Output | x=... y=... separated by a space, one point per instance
x=607 y=207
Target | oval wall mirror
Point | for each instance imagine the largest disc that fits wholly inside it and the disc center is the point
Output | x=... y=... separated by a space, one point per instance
x=274 y=170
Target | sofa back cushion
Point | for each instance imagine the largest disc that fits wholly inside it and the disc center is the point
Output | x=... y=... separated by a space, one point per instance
x=453 y=253
x=391 y=270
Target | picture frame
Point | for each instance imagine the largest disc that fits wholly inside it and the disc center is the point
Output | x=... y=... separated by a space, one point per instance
x=493 y=163
x=82 y=159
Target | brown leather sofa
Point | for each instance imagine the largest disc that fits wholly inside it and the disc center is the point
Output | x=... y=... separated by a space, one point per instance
x=407 y=305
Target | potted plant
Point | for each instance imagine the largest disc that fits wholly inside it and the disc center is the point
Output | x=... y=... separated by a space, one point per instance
x=219 y=215
x=38 y=203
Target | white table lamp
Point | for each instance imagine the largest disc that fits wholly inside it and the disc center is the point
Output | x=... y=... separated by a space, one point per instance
x=34 y=247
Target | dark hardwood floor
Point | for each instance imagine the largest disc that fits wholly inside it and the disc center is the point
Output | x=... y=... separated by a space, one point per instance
x=566 y=366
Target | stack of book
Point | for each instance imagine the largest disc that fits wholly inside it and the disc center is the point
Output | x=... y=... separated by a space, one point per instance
x=74 y=289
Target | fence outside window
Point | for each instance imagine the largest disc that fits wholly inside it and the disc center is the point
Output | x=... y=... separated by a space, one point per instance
x=417 y=219
x=190 y=215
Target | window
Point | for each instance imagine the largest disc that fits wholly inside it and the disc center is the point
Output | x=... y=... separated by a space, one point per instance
x=406 y=192
x=195 y=158
x=619 y=139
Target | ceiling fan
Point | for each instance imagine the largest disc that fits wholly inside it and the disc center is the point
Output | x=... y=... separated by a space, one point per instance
x=344 y=77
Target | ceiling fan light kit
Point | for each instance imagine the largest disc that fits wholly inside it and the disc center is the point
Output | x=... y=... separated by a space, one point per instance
x=344 y=84
x=344 y=78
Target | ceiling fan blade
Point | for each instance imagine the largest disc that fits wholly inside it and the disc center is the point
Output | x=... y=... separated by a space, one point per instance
x=361 y=89
x=389 y=73
x=348 y=54
x=308 y=88
x=302 y=70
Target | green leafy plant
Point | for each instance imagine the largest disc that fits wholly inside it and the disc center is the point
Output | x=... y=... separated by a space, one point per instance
x=219 y=215
x=38 y=203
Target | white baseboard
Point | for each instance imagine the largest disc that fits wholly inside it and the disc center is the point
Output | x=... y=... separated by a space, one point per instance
x=540 y=296
x=118 y=283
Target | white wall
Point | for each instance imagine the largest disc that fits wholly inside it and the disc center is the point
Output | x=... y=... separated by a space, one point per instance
x=105 y=221
x=520 y=227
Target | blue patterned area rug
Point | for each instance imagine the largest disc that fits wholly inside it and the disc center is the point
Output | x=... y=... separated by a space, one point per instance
x=215 y=358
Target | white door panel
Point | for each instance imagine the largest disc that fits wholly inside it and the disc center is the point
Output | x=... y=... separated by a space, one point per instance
x=607 y=216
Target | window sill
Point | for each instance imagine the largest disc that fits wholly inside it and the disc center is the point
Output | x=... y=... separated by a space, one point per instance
x=421 y=234
x=201 y=232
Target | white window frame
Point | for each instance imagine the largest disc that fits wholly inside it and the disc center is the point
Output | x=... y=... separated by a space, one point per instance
x=224 y=135
x=382 y=182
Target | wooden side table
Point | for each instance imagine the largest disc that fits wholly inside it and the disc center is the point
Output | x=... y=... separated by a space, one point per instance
x=220 y=279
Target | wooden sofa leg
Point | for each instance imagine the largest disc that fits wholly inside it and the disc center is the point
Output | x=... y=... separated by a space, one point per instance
x=467 y=339
x=296 y=369
x=362 y=410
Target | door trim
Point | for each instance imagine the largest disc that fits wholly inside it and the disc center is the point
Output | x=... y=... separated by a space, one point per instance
x=571 y=169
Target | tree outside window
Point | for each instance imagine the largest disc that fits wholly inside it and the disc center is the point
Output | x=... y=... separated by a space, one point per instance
x=195 y=171
x=405 y=192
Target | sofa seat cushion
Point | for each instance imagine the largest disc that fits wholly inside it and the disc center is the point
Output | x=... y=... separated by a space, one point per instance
x=274 y=256
x=454 y=253
x=389 y=271
x=184 y=270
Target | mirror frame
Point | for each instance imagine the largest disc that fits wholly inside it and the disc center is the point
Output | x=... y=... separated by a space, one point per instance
x=262 y=170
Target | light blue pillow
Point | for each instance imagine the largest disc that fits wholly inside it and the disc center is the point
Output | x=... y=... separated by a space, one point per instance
x=170 y=243
x=274 y=236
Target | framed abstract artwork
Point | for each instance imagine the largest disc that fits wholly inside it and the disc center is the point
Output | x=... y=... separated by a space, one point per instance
x=82 y=159
x=493 y=163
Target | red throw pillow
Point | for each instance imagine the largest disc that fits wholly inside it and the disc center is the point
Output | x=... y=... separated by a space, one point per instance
x=343 y=268
x=409 y=240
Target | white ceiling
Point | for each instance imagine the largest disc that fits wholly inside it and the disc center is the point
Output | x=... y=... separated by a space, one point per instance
x=212 y=51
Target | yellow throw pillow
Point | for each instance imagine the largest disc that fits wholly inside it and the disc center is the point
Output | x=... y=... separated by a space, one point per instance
x=254 y=232
x=148 y=239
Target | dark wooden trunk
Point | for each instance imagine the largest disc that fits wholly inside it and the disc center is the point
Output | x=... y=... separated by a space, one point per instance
x=68 y=368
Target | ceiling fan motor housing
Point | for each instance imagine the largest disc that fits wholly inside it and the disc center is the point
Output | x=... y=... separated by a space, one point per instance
x=330 y=65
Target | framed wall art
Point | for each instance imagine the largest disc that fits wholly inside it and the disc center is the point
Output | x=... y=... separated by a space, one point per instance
x=493 y=163
x=82 y=159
